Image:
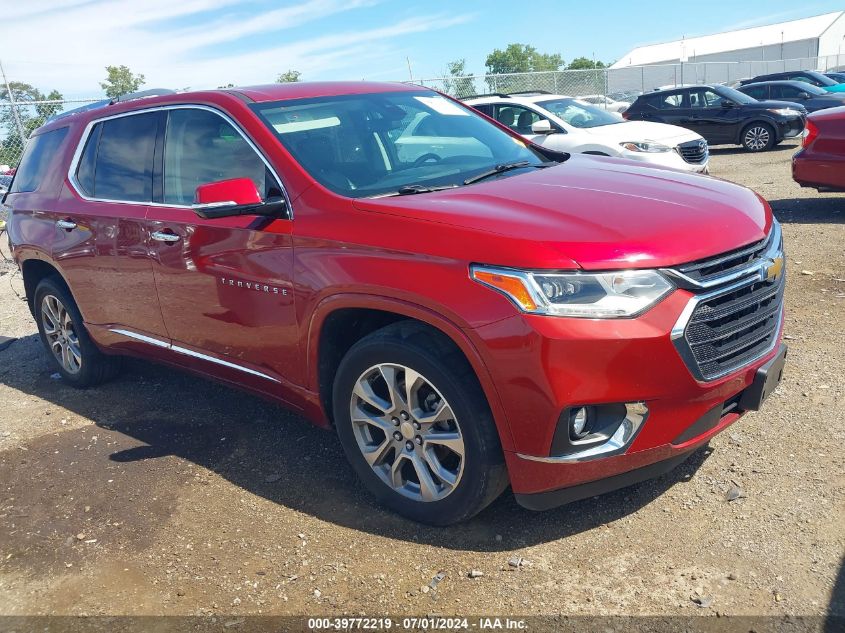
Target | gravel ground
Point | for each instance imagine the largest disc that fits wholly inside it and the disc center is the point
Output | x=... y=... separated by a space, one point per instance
x=161 y=493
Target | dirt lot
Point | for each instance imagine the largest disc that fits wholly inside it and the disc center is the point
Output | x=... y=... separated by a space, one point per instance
x=161 y=493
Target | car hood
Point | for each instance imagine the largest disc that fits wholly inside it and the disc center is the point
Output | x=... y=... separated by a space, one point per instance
x=600 y=213
x=836 y=88
x=627 y=131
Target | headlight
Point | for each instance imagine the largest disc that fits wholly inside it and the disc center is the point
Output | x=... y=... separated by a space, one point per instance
x=646 y=146
x=590 y=295
x=784 y=111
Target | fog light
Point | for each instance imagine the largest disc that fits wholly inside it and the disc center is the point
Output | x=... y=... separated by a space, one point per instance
x=578 y=423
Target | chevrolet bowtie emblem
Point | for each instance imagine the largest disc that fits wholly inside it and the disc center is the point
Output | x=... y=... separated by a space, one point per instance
x=774 y=269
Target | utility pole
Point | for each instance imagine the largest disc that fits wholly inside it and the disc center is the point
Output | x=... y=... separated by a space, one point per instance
x=410 y=74
x=12 y=102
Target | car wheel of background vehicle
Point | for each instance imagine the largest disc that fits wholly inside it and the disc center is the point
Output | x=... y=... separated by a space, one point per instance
x=415 y=425
x=758 y=137
x=60 y=325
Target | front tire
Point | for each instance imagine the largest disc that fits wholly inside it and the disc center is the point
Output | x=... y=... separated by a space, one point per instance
x=758 y=137
x=67 y=341
x=415 y=425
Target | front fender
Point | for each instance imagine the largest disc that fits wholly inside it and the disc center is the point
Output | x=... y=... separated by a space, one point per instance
x=464 y=337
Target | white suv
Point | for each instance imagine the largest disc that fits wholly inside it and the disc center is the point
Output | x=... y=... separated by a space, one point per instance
x=570 y=125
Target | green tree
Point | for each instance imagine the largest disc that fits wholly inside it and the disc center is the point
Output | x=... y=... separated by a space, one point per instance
x=288 y=77
x=521 y=58
x=120 y=81
x=31 y=113
x=456 y=83
x=583 y=63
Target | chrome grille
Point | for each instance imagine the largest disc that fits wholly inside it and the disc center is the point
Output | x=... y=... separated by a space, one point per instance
x=730 y=330
x=735 y=317
x=714 y=268
x=694 y=151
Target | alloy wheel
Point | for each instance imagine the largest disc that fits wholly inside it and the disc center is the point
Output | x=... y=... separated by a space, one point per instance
x=757 y=138
x=61 y=333
x=407 y=432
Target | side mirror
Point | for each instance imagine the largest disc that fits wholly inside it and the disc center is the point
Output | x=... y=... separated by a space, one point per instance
x=803 y=95
x=237 y=196
x=727 y=104
x=543 y=126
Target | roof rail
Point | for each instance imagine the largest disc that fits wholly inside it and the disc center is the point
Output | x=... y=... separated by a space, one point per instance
x=152 y=92
x=79 y=110
x=489 y=94
x=532 y=92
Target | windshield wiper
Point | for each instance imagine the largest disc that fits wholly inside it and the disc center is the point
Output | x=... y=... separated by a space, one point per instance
x=498 y=169
x=409 y=190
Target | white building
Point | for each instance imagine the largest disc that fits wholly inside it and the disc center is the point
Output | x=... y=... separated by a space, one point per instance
x=821 y=36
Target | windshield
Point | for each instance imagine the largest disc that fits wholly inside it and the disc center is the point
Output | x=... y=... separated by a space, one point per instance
x=818 y=78
x=809 y=88
x=377 y=144
x=734 y=95
x=578 y=113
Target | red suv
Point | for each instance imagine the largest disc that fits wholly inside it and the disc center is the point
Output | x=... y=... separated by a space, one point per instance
x=468 y=310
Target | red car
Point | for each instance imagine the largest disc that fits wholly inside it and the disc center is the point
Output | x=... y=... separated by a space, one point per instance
x=468 y=311
x=820 y=163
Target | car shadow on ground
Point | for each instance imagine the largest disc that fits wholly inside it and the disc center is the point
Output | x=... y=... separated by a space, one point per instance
x=152 y=413
x=825 y=208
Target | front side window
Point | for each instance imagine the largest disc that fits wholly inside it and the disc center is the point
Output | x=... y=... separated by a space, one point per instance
x=36 y=159
x=578 y=113
x=376 y=144
x=705 y=99
x=117 y=161
x=517 y=118
x=202 y=147
x=761 y=93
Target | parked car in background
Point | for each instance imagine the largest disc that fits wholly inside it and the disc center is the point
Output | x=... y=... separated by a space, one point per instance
x=811 y=97
x=571 y=125
x=561 y=324
x=840 y=77
x=820 y=163
x=606 y=103
x=5 y=181
x=722 y=115
x=807 y=76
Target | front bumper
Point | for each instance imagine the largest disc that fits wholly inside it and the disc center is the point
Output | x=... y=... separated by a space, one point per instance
x=668 y=159
x=792 y=127
x=561 y=363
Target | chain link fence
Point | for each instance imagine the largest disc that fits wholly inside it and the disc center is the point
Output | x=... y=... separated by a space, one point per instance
x=19 y=119
x=624 y=84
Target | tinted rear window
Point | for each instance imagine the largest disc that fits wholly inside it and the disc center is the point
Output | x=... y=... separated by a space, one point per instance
x=36 y=159
x=117 y=162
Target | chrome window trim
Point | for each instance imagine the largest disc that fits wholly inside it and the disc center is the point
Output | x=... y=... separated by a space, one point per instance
x=77 y=154
x=189 y=352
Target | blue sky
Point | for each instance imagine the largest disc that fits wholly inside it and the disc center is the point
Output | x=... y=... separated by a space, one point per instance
x=204 y=43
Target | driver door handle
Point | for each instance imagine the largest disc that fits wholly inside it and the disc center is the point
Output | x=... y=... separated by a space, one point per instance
x=67 y=225
x=165 y=236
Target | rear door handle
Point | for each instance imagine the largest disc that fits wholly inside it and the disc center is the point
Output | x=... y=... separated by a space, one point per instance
x=67 y=225
x=165 y=236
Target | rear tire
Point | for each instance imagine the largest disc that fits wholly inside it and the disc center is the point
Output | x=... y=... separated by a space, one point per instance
x=67 y=341
x=415 y=425
x=758 y=137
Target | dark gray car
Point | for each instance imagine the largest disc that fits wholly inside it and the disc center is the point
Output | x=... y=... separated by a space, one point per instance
x=811 y=97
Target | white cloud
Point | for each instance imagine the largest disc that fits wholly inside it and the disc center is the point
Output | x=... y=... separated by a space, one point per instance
x=181 y=43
